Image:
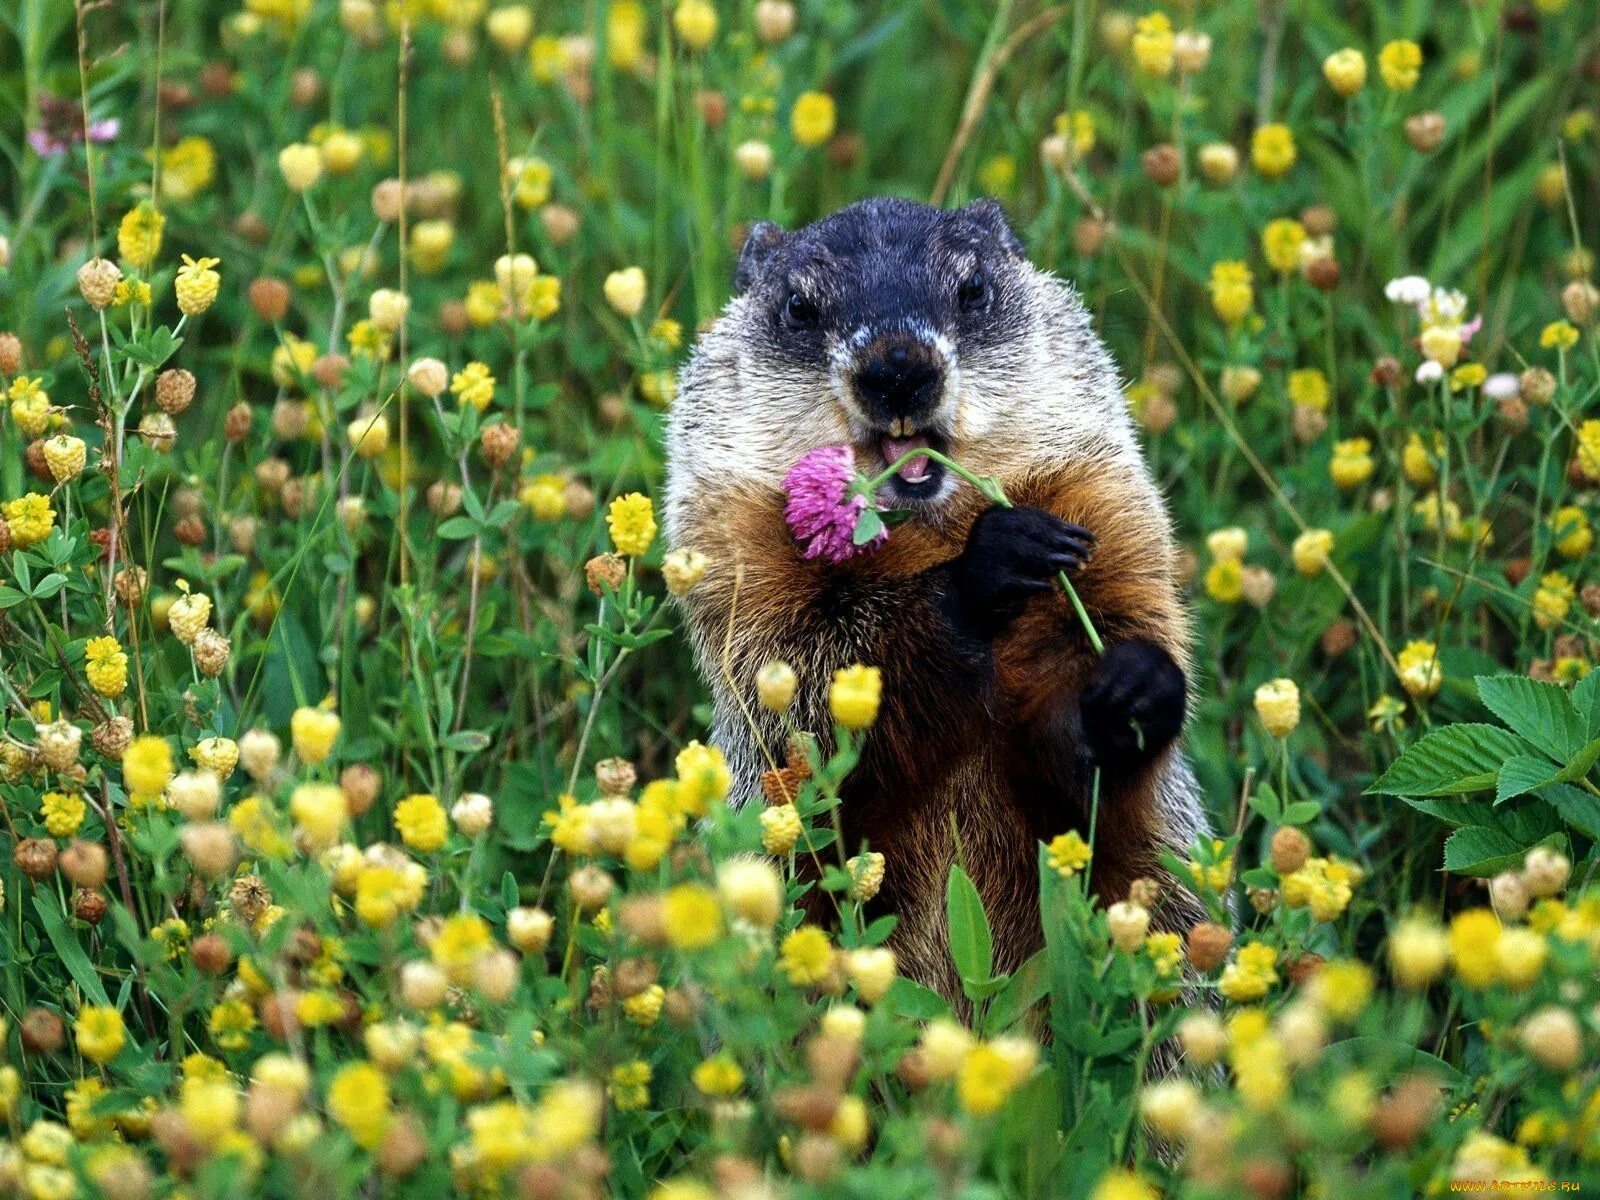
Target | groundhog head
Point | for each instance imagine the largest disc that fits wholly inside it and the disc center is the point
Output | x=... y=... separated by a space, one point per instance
x=892 y=326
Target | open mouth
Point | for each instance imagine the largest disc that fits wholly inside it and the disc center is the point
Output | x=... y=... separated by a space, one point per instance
x=919 y=477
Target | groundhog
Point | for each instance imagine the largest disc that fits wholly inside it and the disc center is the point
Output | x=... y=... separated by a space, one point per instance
x=892 y=326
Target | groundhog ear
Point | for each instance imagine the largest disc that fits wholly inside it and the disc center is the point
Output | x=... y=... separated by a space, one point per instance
x=988 y=216
x=759 y=244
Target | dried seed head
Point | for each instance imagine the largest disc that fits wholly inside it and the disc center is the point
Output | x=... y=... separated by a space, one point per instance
x=249 y=897
x=174 y=391
x=1207 y=945
x=360 y=783
x=1323 y=274
x=88 y=905
x=269 y=298
x=444 y=498
x=499 y=444
x=615 y=776
x=388 y=197
x=1425 y=131
x=1580 y=299
x=560 y=223
x=10 y=354
x=42 y=1031
x=211 y=652
x=35 y=858
x=191 y=531
x=605 y=570
x=236 y=425
x=84 y=864
x=111 y=737
x=97 y=282
x=1162 y=164
x=1290 y=848
x=210 y=848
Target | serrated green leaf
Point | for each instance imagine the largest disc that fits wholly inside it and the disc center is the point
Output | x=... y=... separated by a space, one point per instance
x=1586 y=699
x=1523 y=773
x=1458 y=758
x=1578 y=765
x=1578 y=808
x=1480 y=850
x=1539 y=711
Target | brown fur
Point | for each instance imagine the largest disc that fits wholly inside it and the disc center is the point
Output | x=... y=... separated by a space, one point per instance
x=952 y=771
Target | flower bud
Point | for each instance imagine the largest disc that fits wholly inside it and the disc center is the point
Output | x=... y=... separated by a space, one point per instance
x=1277 y=703
x=774 y=21
x=1128 y=924
x=429 y=376
x=300 y=165
x=1509 y=895
x=1553 y=1037
x=625 y=291
x=754 y=159
x=751 y=890
x=1219 y=162
x=1545 y=871
x=473 y=814
x=529 y=929
x=682 y=569
x=423 y=986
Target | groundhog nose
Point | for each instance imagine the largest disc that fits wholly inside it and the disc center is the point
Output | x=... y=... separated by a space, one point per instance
x=898 y=378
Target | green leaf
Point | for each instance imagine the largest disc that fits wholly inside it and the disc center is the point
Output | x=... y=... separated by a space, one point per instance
x=1586 y=699
x=1397 y=1055
x=908 y=998
x=49 y=586
x=458 y=528
x=1578 y=765
x=1301 y=811
x=1523 y=773
x=1025 y=988
x=1537 y=710
x=68 y=949
x=1458 y=758
x=1483 y=851
x=971 y=945
x=1578 y=808
x=466 y=741
x=869 y=526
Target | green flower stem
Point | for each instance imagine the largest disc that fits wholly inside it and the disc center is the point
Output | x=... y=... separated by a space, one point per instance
x=991 y=489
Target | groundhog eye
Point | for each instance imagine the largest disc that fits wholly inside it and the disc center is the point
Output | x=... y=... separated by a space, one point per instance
x=799 y=312
x=973 y=292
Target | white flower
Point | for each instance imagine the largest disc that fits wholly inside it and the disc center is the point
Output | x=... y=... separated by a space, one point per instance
x=1443 y=307
x=1430 y=372
x=1408 y=289
x=473 y=813
x=1502 y=385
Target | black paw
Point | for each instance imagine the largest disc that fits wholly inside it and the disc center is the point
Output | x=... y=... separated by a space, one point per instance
x=1011 y=554
x=1134 y=705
